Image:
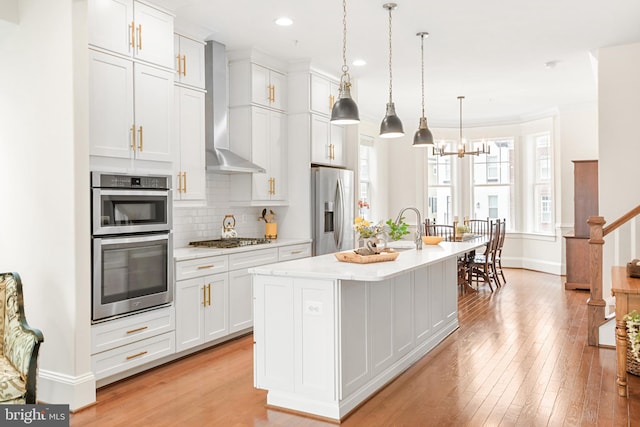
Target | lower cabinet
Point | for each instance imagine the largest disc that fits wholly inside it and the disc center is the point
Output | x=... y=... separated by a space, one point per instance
x=126 y=343
x=214 y=295
x=201 y=310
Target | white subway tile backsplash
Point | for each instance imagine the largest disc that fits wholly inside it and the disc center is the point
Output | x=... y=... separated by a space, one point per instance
x=201 y=223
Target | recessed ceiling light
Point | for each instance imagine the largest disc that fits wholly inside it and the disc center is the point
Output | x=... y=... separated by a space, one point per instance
x=284 y=21
x=359 y=62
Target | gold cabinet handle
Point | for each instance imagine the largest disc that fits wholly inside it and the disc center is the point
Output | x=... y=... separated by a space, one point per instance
x=133 y=331
x=133 y=356
x=179 y=64
x=184 y=65
x=140 y=143
x=296 y=252
x=132 y=36
x=272 y=186
x=273 y=93
x=331 y=102
x=202 y=267
x=332 y=152
x=209 y=294
x=184 y=176
x=204 y=296
x=140 y=37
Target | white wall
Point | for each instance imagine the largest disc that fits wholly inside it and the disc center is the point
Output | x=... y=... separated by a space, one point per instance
x=619 y=146
x=44 y=223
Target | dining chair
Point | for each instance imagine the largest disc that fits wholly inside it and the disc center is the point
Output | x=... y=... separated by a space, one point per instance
x=481 y=266
x=448 y=232
x=479 y=226
x=497 y=258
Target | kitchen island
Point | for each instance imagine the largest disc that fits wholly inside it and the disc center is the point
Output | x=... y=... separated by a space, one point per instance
x=329 y=334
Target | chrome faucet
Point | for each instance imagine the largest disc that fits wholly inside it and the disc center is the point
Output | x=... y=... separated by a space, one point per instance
x=418 y=236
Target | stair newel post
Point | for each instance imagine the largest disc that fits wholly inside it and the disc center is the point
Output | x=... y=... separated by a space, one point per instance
x=596 y=303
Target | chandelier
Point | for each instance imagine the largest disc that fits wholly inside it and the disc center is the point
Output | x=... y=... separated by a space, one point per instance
x=462 y=146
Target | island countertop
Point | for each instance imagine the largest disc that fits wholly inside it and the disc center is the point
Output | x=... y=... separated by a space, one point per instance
x=328 y=267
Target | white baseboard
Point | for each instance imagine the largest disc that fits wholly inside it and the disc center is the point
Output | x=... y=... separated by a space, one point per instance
x=57 y=388
x=551 y=267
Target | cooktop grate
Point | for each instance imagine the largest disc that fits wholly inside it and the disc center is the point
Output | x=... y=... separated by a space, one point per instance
x=230 y=243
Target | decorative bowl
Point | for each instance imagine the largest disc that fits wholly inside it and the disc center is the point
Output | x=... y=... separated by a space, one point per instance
x=432 y=240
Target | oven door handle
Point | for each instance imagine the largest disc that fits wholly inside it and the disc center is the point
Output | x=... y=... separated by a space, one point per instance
x=111 y=192
x=117 y=240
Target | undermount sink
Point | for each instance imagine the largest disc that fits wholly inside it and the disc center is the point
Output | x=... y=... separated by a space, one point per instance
x=401 y=245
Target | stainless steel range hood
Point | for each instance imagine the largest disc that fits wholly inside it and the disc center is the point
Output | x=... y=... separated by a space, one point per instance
x=219 y=157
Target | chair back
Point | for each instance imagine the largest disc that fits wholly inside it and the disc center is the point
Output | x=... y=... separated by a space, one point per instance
x=493 y=237
x=479 y=226
x=502 y=234
x=448 y=232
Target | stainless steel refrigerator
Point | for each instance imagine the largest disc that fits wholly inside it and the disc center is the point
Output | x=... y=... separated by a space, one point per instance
x=332 y=196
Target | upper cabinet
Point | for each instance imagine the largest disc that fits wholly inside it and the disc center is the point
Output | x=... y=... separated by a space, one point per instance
x=324 y=93
x=189 y=61
x=189 y=167
x=133 y=29
x=310 y=103
x=256 y=84
x=130 y=109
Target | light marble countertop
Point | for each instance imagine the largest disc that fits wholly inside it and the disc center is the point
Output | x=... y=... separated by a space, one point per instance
x=189 y=252
x=328 y=266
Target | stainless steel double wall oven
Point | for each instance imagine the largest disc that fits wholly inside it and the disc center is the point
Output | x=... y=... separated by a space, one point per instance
x=132 y=243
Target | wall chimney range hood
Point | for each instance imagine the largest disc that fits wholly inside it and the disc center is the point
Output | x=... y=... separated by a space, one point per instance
x=219 y=156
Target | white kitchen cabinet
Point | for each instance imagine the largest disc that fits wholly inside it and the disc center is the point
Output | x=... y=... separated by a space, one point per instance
x=259 y=134
x=189 y=139
x=128 y=342
x=201 y=310
x=130 y=109
x=133 y=29
x=327 y=142
x=288 y=253
x=189 y=61
x=251 y=83
x=324 y=93
x=240 y=287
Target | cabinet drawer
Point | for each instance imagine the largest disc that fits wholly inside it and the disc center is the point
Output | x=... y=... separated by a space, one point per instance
x=115 y=333
x=294 y=252
x=253 y=258
x=201 y=267
x=133 y=355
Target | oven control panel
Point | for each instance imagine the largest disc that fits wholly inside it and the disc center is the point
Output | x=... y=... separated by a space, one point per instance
x=142 y=182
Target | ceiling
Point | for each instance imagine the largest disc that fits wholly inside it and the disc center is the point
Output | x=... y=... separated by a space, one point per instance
x=492 y=51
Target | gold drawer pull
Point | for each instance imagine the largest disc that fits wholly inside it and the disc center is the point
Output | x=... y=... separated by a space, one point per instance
x=132 y=331
x=133 y=356
x=296 y=252
x=202 y=267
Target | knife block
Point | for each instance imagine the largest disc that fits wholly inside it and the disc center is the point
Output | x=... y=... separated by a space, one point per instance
x=271 y=230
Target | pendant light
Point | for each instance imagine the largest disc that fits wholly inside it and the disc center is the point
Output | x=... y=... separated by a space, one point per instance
x=423 y=136
x=391 y=126
x=345 y=110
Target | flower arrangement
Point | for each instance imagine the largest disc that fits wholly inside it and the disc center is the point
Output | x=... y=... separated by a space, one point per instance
x=633 y=332
x=366 y=230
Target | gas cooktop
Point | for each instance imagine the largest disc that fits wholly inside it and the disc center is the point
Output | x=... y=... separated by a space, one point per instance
x=230 y=243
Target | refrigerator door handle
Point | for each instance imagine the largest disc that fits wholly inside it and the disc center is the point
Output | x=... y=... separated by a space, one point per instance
x=339 y=217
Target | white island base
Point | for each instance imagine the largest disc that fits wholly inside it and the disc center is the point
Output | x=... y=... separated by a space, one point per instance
x=328 y=335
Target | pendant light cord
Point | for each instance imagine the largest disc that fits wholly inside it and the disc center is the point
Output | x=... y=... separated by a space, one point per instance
x=460 y=98
x=422 y=69
x=345 y=68
x=390 y=72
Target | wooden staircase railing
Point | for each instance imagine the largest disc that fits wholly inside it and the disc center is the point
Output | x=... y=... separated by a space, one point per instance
x=596 y=303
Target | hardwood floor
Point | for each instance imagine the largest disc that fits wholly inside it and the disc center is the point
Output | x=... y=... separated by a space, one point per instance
x=519 y=358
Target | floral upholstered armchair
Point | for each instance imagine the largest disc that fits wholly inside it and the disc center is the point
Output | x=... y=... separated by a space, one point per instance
x=19 y=345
